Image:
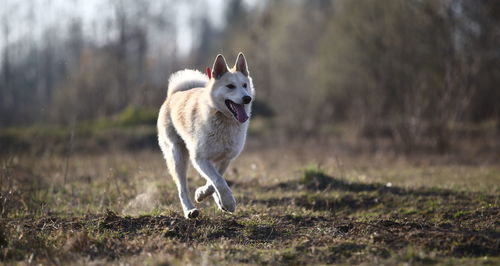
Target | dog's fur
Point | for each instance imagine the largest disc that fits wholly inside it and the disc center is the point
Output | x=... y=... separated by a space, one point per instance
x=197 y=122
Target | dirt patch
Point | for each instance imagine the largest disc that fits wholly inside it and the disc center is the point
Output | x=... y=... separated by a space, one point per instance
x=112 y=236
x=313 y=219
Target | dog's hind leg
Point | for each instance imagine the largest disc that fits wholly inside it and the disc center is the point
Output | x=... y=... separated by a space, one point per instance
x=205 y=191
x=176 y=156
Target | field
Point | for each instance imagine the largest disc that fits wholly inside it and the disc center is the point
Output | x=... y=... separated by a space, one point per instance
x=299 y=204
x=374 y=136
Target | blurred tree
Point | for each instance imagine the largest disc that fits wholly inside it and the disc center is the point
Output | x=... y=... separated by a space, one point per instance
x=38 y=73
x=479 y=38
x=281 y=48
x=397 y=67
x=6 y=101
x=119 y=73
x=413 y=71
x=205 y=38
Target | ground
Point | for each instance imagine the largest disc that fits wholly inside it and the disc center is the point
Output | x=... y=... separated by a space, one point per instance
x=296 y=205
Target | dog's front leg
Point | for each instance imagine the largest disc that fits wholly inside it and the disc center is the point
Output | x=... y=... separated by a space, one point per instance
x=224 y=197
x=208 y=190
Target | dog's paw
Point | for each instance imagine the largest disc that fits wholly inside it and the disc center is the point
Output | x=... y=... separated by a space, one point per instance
x=203 y=192
x=230 y=205
x=192 y=214
x=225 y=202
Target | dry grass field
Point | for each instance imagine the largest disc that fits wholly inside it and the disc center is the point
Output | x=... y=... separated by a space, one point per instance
x=374 y=137
x=296 y=205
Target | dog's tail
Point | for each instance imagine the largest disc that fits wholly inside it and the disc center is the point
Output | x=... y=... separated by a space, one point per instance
x=185 y=80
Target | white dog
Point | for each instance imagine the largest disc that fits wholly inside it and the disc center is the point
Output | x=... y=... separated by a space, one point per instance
x=205 y=119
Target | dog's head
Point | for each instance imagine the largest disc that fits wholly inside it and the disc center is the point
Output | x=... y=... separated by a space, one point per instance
x=232 y=89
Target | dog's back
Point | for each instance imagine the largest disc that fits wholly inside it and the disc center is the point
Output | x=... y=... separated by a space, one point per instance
x=185 y=80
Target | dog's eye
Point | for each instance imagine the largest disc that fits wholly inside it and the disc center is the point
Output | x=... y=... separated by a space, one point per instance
x=244 y=85
x=231 y=86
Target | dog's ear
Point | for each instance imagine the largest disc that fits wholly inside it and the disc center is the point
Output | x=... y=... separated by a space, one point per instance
x=220 y=67
x=241 y=64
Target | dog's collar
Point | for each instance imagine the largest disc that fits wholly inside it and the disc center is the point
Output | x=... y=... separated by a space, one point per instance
x=209 y=73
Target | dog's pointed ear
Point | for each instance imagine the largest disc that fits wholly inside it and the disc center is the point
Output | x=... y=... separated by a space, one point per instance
x=220 y=67
x=241 y=64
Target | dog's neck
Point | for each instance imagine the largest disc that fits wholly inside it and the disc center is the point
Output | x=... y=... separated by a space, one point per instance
x=223 y=118
x=218 y=117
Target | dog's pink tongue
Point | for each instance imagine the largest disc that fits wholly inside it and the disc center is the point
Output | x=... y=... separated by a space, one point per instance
x=241 y=114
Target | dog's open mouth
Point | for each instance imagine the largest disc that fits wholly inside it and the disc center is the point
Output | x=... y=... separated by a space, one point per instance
x=238 y=110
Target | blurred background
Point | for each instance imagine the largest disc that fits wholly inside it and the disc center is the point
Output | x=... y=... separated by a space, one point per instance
x=375 y=134
x=397 y=75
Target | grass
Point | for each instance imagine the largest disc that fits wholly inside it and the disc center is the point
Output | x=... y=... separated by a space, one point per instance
x=131 y=128
x=295 y=206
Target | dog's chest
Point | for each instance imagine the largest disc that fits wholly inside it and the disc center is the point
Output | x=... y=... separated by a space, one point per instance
x=224 y=139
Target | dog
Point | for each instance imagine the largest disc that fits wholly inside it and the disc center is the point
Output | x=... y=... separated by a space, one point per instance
x=205 y=119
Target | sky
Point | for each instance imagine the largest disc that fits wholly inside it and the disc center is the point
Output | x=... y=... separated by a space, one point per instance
x=31 y=22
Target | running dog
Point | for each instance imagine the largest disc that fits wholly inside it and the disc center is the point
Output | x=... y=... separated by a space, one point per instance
x=205 y=120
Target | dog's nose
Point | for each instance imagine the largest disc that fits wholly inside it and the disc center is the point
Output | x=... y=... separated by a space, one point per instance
x=246 y=99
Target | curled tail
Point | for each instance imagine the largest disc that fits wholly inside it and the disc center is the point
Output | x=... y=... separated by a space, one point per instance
x=186 y=79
